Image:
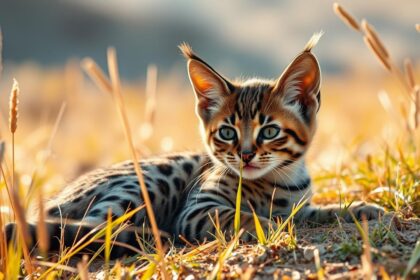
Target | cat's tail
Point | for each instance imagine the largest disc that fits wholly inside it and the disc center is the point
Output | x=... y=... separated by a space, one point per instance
x=81 y=237
x=313 y=41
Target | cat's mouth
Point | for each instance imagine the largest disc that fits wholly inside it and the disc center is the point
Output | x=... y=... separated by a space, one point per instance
x=250 y=166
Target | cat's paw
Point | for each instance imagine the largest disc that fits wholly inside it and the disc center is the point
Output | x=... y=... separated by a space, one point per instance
x=368 y=210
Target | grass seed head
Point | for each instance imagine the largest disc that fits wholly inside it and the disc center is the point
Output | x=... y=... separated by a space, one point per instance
x=97 y=75
x=409 y=73
x=346 y=17
x=373 y=36
x=384 y=61
x=13 y=106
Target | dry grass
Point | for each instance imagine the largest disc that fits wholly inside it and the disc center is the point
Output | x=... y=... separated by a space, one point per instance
x=377 y=46
x=361 y=151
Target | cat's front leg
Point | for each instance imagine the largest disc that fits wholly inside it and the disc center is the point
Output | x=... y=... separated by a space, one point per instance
x=329 y=213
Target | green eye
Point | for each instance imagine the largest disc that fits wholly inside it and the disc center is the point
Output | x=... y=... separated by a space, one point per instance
x=227 y=133
x=269 y=132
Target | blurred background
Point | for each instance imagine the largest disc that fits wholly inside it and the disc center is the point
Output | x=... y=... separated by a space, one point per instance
x=44 y=40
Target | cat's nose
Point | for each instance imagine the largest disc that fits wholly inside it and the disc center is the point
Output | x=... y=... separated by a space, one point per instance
x=247 y=156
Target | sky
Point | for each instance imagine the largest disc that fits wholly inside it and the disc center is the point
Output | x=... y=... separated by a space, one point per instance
x=239 y=37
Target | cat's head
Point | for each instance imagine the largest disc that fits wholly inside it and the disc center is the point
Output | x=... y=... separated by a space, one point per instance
x=269 y=124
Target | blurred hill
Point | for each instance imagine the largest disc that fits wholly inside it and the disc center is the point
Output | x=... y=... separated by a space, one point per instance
x=238 y=37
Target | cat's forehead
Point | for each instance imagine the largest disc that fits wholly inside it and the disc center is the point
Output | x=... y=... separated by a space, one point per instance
x=249 y=98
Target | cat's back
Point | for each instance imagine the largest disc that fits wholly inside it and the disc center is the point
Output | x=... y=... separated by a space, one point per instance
x=166 y=178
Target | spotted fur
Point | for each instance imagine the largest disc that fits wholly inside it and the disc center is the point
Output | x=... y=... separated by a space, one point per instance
x=266 y=124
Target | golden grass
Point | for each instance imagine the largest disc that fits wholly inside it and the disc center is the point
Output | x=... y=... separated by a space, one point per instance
x=14 y=191
x=409 y=73
x=372 y=39
x=379 y=55
x=373 y=36
x=332 y=117
x=330 y=105
x=13 y=112
x=41 y=226
x=346 y=17
x=97 y=74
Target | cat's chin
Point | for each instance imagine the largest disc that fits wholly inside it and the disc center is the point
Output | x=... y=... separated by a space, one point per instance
x=251 y=173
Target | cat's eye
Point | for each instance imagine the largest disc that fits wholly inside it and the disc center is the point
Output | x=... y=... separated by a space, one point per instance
x=227 y=133
x=270 y=132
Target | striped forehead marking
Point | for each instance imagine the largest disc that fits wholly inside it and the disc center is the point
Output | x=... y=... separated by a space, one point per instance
x=249 y=101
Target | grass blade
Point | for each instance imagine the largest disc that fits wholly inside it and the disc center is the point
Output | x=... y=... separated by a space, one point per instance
x=237 y=221
x=216 y=273
x=108 y=233
x=258 y=228
x=415 y=257
x=296 y=209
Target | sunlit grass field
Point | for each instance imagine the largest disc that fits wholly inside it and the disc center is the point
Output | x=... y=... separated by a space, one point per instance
x=363 y=149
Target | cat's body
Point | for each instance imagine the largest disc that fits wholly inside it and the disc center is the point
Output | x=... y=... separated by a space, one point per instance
x=266 y=124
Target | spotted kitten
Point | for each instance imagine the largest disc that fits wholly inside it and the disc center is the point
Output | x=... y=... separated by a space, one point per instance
x=269 y=124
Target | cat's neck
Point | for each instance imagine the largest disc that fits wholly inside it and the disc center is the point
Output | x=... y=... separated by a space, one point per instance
x=287 y=175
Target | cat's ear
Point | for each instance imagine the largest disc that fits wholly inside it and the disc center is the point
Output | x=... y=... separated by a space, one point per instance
x=300 y=83
x=209 y=86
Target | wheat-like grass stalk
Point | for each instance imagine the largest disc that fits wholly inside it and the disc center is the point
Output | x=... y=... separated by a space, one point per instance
x=409 y=73
x=346 y=17
x=418 y=27
x=41 y=226
x=417 y=106
x=96 y=75
x=373 y=36
x=14 y=193
x=377 y=52
x=114 y=88
x=376 y=45
x=13 y=106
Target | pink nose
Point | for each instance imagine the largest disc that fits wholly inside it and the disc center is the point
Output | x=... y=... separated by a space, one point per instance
x=247 y=156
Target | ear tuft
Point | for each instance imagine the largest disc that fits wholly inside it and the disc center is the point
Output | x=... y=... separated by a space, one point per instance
x=313 y=41
x=186 y=50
